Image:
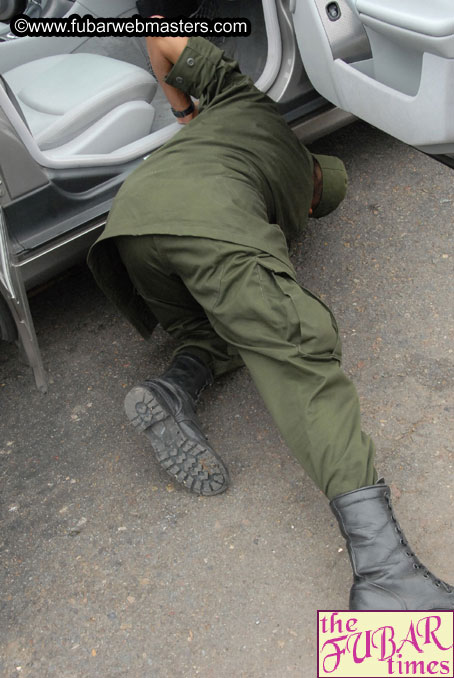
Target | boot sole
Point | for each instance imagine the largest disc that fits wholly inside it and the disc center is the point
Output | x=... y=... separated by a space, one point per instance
x=192 y=464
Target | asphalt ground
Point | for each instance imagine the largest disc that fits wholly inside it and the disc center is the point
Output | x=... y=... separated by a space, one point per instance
x=110 y=569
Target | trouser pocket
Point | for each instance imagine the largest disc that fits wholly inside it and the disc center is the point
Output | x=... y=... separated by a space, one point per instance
x=309 y=322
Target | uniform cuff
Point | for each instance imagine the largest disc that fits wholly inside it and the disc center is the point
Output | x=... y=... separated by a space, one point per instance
x=195 y=68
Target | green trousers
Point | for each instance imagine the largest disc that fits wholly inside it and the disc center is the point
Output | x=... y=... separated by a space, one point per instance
x=230 y=304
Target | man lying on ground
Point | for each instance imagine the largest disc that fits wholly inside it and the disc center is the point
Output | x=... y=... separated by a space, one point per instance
x=197 y=241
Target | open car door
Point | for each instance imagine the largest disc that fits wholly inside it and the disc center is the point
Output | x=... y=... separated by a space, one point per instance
x=405 y=84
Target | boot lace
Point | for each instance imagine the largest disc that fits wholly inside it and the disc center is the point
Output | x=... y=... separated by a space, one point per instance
x=427 y=574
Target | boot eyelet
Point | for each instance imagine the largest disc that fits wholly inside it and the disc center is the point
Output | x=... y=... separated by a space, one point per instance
x=437 y=584
x=416 y=566
x=407 y=553
x=426 y=576
x=402 y=541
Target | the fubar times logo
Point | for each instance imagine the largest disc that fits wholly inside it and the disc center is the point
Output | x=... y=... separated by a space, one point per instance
x=373 y=644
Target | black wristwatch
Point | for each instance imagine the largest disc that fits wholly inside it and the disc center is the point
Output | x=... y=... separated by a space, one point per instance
x=183 y=114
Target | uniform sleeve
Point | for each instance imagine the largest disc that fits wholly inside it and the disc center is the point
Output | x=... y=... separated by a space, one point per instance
x=202 y=70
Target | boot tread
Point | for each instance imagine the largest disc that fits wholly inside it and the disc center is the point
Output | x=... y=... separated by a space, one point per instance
x=190 y=463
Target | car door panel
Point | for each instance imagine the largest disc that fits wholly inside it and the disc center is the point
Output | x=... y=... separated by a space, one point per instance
x=405 y=86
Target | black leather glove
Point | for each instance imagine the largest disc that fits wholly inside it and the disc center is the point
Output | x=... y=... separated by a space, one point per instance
x=167 y=8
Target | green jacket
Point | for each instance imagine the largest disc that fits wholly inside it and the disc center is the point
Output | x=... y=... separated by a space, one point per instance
x=235 y=173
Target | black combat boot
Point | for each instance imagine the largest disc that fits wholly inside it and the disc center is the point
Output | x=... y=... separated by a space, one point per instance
x=386 y=573
x=164 y=409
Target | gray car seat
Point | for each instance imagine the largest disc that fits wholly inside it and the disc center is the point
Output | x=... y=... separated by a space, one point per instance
x=83 y=103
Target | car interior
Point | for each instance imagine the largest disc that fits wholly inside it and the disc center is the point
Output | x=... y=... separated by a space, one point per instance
x=69 y=98
x=94 y=101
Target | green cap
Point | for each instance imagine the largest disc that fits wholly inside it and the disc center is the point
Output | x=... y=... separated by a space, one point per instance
x=335 y=182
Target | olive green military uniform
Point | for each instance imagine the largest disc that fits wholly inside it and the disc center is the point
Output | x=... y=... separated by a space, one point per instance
x=196 y=240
